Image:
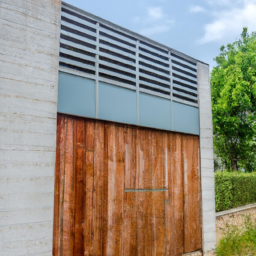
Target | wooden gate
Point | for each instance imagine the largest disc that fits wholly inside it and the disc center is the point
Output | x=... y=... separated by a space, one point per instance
x=125 y=190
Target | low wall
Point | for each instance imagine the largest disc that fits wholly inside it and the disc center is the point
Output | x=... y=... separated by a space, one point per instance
x=234 y=217
x=199 y=253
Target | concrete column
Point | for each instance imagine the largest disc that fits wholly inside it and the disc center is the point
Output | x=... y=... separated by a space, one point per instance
x=207 y=166
x=29 y=49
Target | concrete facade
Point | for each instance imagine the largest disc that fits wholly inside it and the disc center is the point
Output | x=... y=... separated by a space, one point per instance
x=207 y=166
x=29 y=39
x=29 y=61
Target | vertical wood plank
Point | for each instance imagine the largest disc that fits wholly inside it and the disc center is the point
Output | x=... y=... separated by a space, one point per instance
x=158 y=196
x=166 y=160
x=158 y=223
x=137 y=164
x=127 y=165
x=140 y=197
x=140 y=222
x=88 y=227
x=187 y=155
x=79 y=187
x=130 y=157
x=116 y=188
x=133 y=156
x=57 y=186
x=90 y=130
x=98 y=197
x=105 y=192
x=111 y=189
x=140 y=168
x=62 y=178
x=155 y=173
x=147 y=161
x=129 y=216
x=192 y=225
x=166 y=184
x=168 y=200
x=176 y=197
x=157 y=179
x=148 y=195
x=68 y=206
x=119 y=188
x=129 y=225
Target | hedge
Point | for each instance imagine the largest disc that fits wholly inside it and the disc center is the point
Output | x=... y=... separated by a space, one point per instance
x=234 y=189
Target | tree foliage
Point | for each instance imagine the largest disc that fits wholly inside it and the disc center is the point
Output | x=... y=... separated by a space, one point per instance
x=233 y=85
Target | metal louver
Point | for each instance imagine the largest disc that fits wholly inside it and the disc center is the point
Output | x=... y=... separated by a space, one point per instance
x=94 y=48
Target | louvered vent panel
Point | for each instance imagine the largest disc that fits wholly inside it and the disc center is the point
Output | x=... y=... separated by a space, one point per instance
x=78 y=42
x=105 y=52
x=154 y=69
x=184 y=75
x=117 y=56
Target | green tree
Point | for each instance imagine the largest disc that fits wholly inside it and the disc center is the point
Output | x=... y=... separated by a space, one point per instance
x=233 y=85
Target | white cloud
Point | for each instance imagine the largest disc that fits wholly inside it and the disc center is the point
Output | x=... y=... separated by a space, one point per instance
x=196 y=8
x=229 y=23
x=154 y=30
x=155 y=13
x=155 y=21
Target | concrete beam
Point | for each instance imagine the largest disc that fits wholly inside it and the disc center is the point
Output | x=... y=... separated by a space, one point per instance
x=207 y=167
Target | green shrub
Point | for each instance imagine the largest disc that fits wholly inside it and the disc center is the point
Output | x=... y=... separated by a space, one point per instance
x=238 y=240
x=234 y=189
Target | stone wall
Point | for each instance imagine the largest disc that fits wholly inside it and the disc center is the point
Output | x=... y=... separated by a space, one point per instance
x=29 y=48
x=233 y=217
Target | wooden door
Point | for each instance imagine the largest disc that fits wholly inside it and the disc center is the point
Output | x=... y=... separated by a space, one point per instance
x=125 y=190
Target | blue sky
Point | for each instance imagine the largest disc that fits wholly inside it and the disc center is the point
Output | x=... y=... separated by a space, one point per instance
x=197 y=28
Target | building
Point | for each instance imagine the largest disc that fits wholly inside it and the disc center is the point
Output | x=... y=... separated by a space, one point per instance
x=132 y=168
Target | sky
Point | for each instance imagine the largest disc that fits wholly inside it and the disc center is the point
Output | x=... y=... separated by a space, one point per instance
x=197 y=28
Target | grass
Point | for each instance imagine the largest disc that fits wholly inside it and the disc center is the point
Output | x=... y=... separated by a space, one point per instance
x=239 y=240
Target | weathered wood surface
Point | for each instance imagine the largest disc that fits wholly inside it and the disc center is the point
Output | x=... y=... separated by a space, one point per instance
x=124 y=190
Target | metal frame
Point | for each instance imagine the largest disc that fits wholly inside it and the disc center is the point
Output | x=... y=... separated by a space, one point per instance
x=200 y=69
x=108 y=53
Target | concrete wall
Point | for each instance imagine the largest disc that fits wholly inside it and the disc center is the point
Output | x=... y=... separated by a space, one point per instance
x=207 y=167
x=29 y=48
